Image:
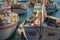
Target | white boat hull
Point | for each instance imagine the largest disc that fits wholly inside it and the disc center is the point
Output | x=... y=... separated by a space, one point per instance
x=47 y=32
x=7 y=31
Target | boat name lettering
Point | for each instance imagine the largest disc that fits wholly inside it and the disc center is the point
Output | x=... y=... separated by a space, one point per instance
x=51 y=34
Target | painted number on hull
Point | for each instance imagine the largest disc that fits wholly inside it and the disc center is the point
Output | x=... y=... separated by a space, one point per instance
x=31 y=33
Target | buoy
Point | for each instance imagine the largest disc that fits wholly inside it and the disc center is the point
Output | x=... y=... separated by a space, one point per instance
x=34 y=24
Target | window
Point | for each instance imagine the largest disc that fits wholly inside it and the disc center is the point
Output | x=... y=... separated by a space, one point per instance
x=50 y=21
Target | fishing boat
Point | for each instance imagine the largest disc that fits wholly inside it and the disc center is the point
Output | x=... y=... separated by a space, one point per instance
x=30 y=27
x=7 y=24
x=8 y=21
x=49 y=29
x=19 y=7
x=51 y=6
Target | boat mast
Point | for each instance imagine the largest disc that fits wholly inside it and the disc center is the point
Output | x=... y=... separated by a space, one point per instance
x=42 y=15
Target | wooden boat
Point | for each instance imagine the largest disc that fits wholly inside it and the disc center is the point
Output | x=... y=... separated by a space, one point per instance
x=51 y=7
x=18 y=9
x=7 y=24
x=48 y=31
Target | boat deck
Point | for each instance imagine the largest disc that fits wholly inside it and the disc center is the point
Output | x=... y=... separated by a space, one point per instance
x=22 y=17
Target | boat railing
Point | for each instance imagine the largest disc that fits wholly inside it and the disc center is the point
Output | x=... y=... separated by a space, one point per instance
x=4 y=22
